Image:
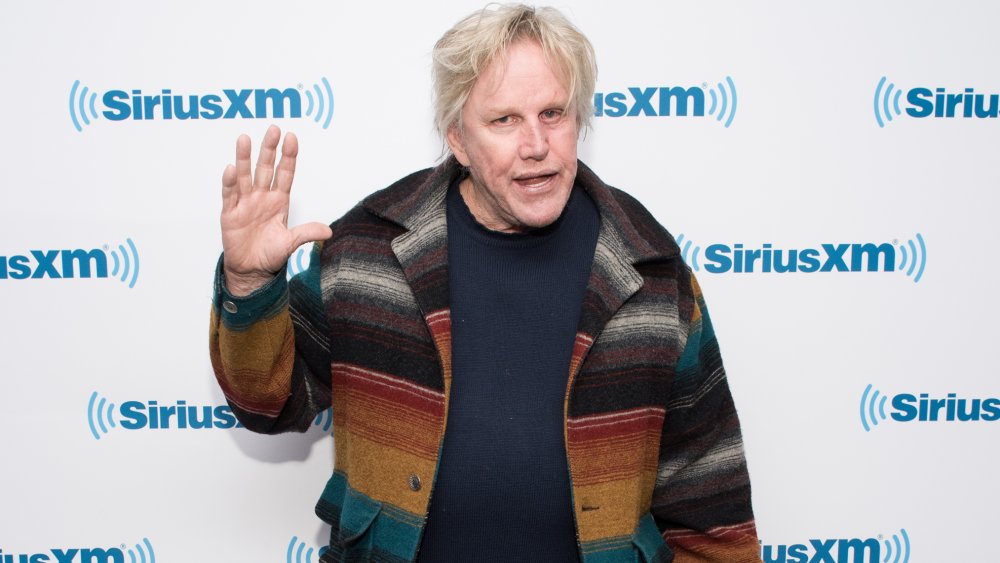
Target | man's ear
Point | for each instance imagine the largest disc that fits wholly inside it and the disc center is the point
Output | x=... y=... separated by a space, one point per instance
x=455 y=142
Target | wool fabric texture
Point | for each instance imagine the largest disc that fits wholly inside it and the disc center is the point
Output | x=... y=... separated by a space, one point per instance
x=656 y=463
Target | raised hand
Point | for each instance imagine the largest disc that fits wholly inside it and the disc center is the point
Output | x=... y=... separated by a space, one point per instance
x=256 y=240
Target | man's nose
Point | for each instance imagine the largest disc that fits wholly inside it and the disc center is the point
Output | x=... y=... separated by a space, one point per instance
x=534 y=141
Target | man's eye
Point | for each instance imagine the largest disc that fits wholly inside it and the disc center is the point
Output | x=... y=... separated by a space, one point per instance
x=502 y=120
x=551 y=114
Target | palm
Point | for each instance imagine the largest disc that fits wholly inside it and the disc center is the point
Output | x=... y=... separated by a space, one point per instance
x=256 y=240
x=255 y=235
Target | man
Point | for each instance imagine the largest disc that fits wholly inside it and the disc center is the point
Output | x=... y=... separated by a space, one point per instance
x=504 y=332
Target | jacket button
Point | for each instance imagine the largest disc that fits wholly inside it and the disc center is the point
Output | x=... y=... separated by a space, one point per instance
x=230 y=306
x=414 y=482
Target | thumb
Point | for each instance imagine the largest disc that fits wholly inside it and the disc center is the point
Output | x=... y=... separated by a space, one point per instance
x=310 y=232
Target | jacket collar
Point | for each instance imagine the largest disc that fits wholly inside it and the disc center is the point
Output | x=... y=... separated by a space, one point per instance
x=416 y=201
x=628 y=236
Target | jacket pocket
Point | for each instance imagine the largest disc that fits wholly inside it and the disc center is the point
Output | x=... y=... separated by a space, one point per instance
x=350 y=515
x=649 y=543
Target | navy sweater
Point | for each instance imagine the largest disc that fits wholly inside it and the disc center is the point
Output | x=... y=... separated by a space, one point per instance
x=502 y=492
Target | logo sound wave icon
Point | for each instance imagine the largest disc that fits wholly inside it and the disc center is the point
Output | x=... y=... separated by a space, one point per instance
x=689 y=255
x=909 y=261
x=82 y=102
x=724 y=100
x=128 y=264
x=324 y=102
x=142 y=549
x=872 y=408
x=298 y=261
x=324 y=419
x=886 y=102
x=298 y=552
x=100 y=415
x=901 y=553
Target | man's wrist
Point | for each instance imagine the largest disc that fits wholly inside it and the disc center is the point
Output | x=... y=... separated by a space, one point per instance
x=241 y=285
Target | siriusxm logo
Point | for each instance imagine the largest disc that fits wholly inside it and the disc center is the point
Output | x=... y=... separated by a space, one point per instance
x=77 y=263
x=854 y=550
x=662 y=101
x=143 y=553
x=910 y=258
x=298 y=261
x=907 y=407
x=230 y=103
x=103 y=416
x=299 y=552
x=932 y=102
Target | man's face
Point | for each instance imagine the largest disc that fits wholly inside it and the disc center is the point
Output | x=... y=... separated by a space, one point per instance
x=518 y=138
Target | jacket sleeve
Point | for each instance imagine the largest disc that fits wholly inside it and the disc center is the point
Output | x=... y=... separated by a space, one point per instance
x=701 y=501
x=270 y=351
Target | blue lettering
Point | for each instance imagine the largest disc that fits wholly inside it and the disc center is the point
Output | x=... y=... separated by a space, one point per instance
x=98 y=555
x=965 y=414
x=224 y=417
x=165 y=412
x=924 y=107
x=643 y=101
x=178 y=107
x=168 y=108
x=991 y=409
x=64 y=556
x=835 y=257
x=983 y=112
x=238 y=103
x=117 y=101
x=20 y=270
x=799 y=552
x=211 y=107
x=83 y=260
x=46 y=264
x=810 y=260
x=151 y=103
x=823 y=551
x=278 y=98
x=766 y=554
x=616 y=104
x=872 y=253
x=905 y=410
x=134 y=413
x=859 y=547
x=718 y=253
x=682 y=96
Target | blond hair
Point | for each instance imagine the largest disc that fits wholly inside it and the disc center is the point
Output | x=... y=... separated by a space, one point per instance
x=465 y=50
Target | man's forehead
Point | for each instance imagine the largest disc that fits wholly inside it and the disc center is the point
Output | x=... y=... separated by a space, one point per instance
x=522 y=68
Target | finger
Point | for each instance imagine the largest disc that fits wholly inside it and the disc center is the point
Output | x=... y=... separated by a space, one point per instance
x=243 y=182
x=264 y=172
x=310 y=232
x=286 y=167
x=230 y=194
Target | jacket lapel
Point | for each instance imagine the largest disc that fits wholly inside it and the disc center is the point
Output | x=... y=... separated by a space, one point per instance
x=417 y=203
x=620 y=247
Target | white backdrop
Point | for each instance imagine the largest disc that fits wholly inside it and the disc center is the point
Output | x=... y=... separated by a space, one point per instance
x=803 y=163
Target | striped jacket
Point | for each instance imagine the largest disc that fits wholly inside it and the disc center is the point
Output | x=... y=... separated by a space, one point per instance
x=652 y=437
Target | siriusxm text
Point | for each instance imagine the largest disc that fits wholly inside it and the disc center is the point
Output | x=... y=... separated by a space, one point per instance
x=247 y=103
x=925 y=102
x=824 y=551
x=951 y=408
x=73 y=555
x=651 y=101
x=55 y=264
x=136 y=415
x=845 y=257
